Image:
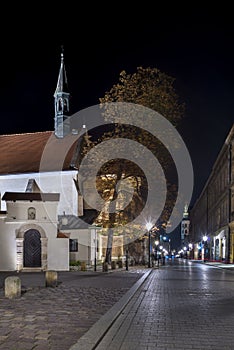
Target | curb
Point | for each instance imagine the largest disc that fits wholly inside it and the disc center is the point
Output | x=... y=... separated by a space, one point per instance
x=228 y=267
x=95 y=334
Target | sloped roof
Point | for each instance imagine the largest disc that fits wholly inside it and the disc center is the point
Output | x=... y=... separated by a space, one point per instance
x=74 y=222
x=62 y=235
x=34 y=152
x=31 y=196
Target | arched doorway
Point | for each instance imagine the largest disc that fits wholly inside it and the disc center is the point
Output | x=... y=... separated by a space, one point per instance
x=32 y=248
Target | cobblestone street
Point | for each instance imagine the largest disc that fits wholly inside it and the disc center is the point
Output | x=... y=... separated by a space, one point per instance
x=54 y=318
x=183 y=305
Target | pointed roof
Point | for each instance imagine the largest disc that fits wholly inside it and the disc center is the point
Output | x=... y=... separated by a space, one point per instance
x=62 y=85
x=32 y=186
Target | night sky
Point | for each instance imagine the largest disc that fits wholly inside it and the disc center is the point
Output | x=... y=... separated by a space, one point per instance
x=195 y=47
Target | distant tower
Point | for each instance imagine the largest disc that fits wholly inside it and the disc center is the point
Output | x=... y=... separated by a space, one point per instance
x=61 y=103
x=185 y=223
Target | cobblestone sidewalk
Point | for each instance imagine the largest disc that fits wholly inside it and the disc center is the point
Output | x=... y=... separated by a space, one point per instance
x=55 y=318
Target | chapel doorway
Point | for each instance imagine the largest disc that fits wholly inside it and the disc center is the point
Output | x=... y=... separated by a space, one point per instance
x=32 y=248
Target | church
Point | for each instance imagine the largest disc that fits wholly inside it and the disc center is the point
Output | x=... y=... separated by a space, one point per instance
x=43 y=224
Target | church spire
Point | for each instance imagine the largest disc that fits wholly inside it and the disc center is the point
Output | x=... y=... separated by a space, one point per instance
x=61 y=102
x=185 y=224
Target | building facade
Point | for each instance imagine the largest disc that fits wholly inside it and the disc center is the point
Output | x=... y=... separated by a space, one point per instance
x=44 y=221
x=212 y=216
x=28 y=233
x=38 y=193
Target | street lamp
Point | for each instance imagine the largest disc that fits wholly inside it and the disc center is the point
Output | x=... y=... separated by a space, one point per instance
x=205 y=248
x=169 y=246
x=190 y=250
x=148 y=227
x=156 y=252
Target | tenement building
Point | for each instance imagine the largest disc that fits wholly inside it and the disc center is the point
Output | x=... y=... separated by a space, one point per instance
x=212 y=216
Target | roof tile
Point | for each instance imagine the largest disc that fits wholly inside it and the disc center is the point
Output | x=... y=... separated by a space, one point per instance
x=34 y=152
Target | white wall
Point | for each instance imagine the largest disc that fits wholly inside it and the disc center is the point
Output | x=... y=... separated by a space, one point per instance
x=85 y=250
x=7 y=247
x=8 y=232
x=57 y=248
x=49 y=182
x=58 y=254
x=45 y=211
x=46 y=215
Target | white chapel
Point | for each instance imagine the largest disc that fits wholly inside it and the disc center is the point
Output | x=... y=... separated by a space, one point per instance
x=43 y=224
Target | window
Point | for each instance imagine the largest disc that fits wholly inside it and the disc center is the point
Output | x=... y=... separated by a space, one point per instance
x=60 y=105
x=73 y=245
x=65 y=105
x=31 y=213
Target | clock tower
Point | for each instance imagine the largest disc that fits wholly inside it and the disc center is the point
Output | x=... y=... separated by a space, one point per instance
x=61 y=103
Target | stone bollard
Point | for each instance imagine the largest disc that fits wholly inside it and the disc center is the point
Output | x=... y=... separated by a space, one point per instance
x=120 y=263
x=104 y=267
x=83 y=266
x=12 y=287
x=113 y=265
x=51 y=278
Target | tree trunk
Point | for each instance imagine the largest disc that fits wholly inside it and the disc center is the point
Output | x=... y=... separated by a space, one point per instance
x=109 y=246
x=127 y=259
x=112 y=218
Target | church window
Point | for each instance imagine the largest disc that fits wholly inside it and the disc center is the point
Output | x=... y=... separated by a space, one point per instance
x=31 y=213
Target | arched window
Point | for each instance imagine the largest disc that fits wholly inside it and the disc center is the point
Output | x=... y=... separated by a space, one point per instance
x=60 y=105
x=65 y=105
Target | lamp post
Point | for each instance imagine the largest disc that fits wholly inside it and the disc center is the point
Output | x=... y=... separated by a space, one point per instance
x=185 y=252
x=169 y=247
x=191 y=251
x=156 y=252
x=95 y=251
x=149 y=262
x=149 y=226
x=205 y=248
